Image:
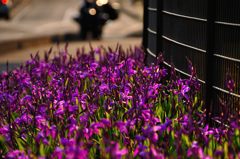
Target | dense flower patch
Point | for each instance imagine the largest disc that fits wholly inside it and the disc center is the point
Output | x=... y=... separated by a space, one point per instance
x=112 y=107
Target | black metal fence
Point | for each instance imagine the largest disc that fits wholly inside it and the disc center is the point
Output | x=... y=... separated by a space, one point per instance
x=205 y=31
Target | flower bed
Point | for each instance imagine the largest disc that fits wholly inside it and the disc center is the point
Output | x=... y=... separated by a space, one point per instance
x=113 y=107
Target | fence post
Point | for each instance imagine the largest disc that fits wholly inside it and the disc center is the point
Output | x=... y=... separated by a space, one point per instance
x=159 y=26
x=145 y=26
x=145 y=23
x=211 y=16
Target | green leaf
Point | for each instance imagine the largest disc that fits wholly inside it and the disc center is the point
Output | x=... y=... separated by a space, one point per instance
x=107 y=115
x=77 y=102
x=147 y=142
x=66 y=82
x=41 y=150
x=225 y=149
x=49 y=78
x=20 y=144
x=186 y=140
x=3 y=145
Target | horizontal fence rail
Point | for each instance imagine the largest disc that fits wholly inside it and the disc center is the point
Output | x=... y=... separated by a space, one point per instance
x=207 y=33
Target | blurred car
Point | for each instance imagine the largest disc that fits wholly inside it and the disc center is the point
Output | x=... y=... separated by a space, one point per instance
x=4 y=9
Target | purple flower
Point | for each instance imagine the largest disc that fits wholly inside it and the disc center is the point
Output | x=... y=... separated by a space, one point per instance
x=87 y=133
x=155 y=153
x=196 y=151
x=41 y=122
x=73 y=109
x=126 y=94
x=146 y=114
x=130 y=63
x=95 y=127
x=185 y=120
x=163 y=72
x=122 y=127
x=140 y=138
x=53 y=131
x=64 y=141
x=17 y=154
x=206 y=131
x=184 y=90
x=153 y=91
x=106 y=122
x=87 y=108
x=230 y=84
x=75 y=151
x=103 y=88
x=94 y=66
x=72 y=129
x=162 y=127
x=121 y=65
x=218 y=153
x=58 y=153
x=131 y=123
x=116 y=151
x=41 y=137
x=83 y=119
x=26 y=99
x=140 y=150
x=4 y=130
x=60 y=108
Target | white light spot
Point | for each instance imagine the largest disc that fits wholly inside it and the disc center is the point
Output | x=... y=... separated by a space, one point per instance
x=92 y=11
x=101 y=2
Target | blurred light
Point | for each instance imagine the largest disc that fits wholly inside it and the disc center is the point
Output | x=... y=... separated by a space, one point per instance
x=92 y=11
x=101 y=2
x=4 y=1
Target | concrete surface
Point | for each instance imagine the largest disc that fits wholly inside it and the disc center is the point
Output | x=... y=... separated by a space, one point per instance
x=135 y=10
x=32 y=26
x=30 y=31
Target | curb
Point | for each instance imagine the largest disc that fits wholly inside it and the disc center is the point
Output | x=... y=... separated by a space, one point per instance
x=12 y=45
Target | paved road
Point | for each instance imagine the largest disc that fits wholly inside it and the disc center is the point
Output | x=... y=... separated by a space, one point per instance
x=40 y=17
x=47 y=10
x=50 y=17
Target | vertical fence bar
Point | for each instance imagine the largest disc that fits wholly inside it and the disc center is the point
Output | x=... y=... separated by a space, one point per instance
x=159 y=26
x=145 y=32
x=211 y=16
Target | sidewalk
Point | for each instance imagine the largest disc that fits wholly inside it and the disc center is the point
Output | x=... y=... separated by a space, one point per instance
x=18 y=5
x=135 y=10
